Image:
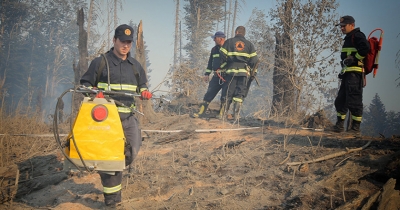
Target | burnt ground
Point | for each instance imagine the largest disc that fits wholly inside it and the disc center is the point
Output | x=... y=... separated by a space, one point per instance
x=258 y=168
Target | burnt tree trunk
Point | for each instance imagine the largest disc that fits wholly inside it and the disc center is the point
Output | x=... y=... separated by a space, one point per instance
x=176 y=34
x=145 y=106
x=83 y=55
x=82 y=47
x=284 y=97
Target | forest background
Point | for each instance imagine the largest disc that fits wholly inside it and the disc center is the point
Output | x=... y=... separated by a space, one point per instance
x=296 y=40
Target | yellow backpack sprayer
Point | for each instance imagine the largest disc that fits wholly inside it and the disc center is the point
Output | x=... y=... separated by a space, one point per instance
x=96 y=140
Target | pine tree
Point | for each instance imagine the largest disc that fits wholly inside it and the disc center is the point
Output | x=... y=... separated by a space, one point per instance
x=200 y=19
x=393 y=123
x=374 y=119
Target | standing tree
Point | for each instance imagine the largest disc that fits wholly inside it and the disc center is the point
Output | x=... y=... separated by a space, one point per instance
x=176 y=38
x=140 y=56
x=398 y=64
x=284 y=78
x=42 y=42
x=259 y=33
x=374 y=119
x=306 y=41
x=201 y=17
x=82 y=47
x=235 y=8
x=12 y=16
x=393 y=123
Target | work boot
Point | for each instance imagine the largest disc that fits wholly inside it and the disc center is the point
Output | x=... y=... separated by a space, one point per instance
x=237 y=106
x=355 y=128
x=113 y=205
x=203 y=108
x=339 y=126
x=223 y=111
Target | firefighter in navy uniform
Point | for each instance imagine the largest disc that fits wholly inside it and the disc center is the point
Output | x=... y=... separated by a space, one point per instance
x=217 y=80
x=125 y=75
x=238 y=57
x=355 y=48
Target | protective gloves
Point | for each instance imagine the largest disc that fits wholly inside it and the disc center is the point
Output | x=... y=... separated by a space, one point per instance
x=206 y=77
x=348 y=61
x=145 y=95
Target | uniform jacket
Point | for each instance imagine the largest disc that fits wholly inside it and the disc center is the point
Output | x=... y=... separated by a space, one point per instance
x=122 y=77
x=236 y=53
x=356 y=45
x=214 y=61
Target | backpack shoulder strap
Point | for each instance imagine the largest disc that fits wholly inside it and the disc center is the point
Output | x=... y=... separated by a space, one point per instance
x=137 y=76
x=103 y=63
x=99 y=70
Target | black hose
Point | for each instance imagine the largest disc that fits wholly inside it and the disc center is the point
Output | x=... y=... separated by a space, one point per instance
x=57 y=135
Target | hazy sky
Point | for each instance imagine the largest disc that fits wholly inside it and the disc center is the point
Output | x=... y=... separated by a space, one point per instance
x=158 y=17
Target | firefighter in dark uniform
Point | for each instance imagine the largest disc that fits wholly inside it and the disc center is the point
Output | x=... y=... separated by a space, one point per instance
x=349 y=98
x=238 y=58
x=126 y=75
x=217 y=80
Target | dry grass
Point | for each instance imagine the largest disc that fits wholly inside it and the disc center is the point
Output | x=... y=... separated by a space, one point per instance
x=17 y=144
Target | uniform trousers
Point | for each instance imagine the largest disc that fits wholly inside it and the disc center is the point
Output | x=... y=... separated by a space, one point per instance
x=214 y=86
x=350 y=95
x=133 y=141
x=235 y=87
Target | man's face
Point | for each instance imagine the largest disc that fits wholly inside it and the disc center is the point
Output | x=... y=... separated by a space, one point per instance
x=347 y=28
x=122 y=48
x=219 y=41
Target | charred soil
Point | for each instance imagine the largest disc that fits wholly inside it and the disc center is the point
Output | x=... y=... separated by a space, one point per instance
x=214 y=164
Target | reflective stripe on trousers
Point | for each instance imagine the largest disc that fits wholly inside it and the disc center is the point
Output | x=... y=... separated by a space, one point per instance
x=110 y=190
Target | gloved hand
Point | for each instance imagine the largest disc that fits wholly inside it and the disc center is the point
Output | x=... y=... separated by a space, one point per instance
x=92 y=94
x=206 y=78
x=348 y=61
x=145 y=95
x=340 y=76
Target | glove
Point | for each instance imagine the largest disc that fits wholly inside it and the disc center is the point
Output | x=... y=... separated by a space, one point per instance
x=340 y=76
x=146 y=95
x=91 y=94
x=206 y=77
x=348 y=61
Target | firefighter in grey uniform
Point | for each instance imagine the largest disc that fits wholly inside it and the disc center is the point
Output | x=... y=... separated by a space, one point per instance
x=238 y=57
x=216 y=82
x=125 y=75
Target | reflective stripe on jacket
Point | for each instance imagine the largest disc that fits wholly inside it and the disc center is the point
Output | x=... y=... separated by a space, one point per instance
x=122 y=78
x=356 y=45
x=214 y=61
